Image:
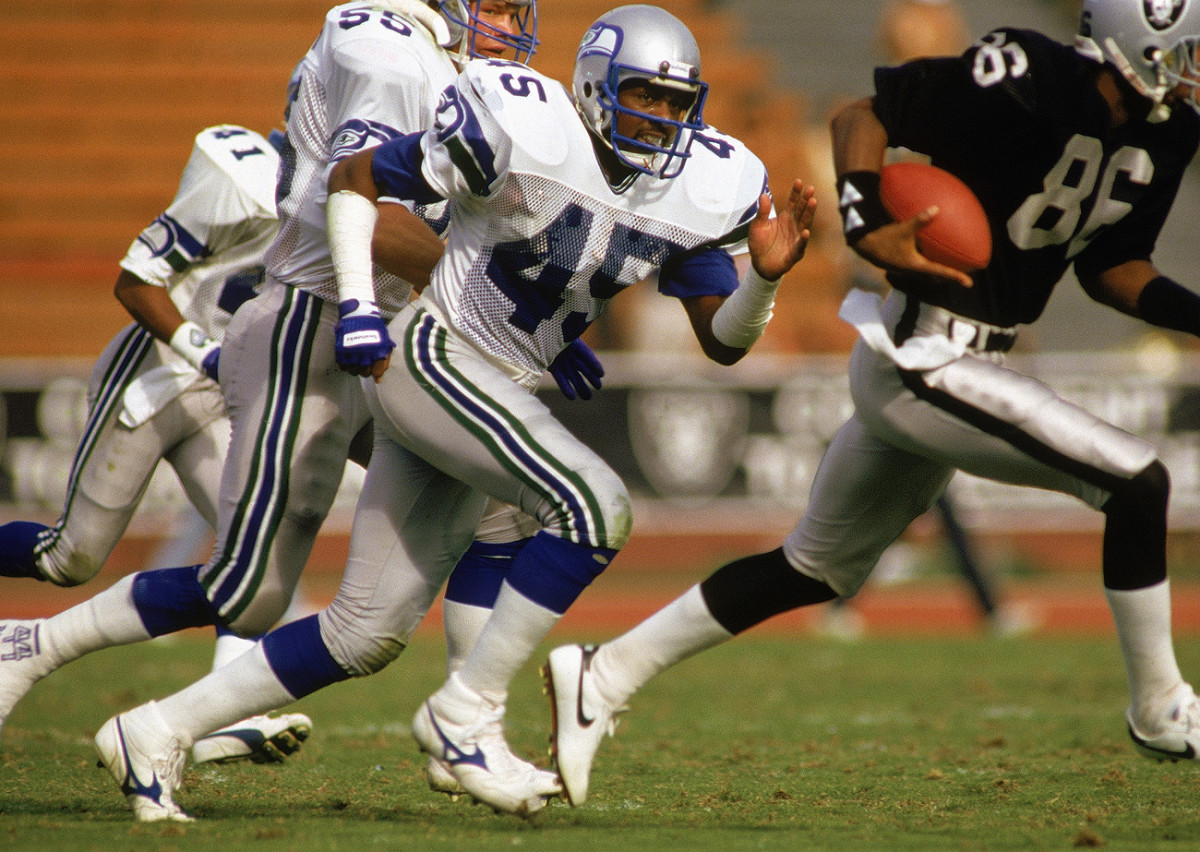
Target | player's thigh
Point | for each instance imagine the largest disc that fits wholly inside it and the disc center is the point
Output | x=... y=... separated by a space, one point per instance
x=292 y=416
x=465 y=416
x=412 y=524
x=993 y=422
x=864 y=495
x=198 y=461
x=112 y=470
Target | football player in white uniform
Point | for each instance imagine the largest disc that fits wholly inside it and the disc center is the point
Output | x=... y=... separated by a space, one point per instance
x=1076 y=154
x=153 y=394
x=557 y=206
x=375 y=72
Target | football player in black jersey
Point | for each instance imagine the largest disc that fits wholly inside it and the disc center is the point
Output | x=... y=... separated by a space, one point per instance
x=1076 y=154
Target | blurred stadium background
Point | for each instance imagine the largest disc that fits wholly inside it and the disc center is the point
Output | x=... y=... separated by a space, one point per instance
x=103 y=97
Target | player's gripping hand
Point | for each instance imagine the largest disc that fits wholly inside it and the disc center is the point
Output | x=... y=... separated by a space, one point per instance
x=210 y=366
x=362 y=345
x=575 y=368
x=894 y=247
x=197 y=348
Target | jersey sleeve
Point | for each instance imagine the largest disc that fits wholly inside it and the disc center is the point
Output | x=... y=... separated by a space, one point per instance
x=210 y=213
x=467 y=151
x=709 y=272
x=362 y=83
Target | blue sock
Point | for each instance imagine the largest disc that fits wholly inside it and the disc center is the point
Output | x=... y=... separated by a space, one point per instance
x=17 y=541
x=171 y=599
x=552 y=572
x=477 y=576
x=299 y=658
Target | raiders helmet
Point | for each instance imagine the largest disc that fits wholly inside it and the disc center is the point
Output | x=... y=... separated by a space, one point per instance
x=1152 y=43
x=639 y=43
x=465 y=26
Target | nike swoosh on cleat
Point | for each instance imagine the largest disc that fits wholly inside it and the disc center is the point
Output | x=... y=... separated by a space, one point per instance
x=132 y=785
x=1188 y=753
x=585 y=664
x=451 y=753
x=251 y=737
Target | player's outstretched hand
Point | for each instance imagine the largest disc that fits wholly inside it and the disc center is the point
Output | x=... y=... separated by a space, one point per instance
x=575 y=368
x=362 y=345
x=894 y=246
x=777 y=244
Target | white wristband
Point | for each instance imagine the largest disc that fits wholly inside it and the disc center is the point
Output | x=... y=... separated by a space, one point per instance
x=743 y=317
x=350 y=225
x=192 y=343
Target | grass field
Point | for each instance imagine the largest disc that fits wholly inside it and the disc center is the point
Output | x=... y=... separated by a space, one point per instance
x=764 y=743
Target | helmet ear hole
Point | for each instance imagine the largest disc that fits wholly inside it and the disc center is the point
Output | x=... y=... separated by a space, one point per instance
x=587 y=90
x=1147 y=41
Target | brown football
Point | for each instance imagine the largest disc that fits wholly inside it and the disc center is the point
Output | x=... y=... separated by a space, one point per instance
x=959 y=235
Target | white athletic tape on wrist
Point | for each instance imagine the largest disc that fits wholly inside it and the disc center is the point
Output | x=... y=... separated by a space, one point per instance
x=192 y=343
x=743 y=317
x=350 y=225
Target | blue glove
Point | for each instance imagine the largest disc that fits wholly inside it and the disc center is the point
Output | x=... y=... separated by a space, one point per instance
x=209 y=365
x=576 y=367
x=361 y=337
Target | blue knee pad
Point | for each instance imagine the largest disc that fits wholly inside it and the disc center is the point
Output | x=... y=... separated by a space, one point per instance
x=172 y=599
x=553 y=572
x=17 y=542
x=298 y=657
x=477 y=577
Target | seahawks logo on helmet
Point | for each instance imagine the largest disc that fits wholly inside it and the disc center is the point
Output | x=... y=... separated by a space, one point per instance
x=1162 y=14
x=600 y=40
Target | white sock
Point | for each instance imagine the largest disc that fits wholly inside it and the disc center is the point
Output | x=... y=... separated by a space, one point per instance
x=1143 y=619
x=228 y=648
x=510 y=637
x=106 y=620
x=245 y=687
x=462 y=624
x=679 y=630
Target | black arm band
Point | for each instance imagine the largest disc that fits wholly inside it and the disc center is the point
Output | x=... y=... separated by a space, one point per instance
x=860 y=205
x=1167 y=304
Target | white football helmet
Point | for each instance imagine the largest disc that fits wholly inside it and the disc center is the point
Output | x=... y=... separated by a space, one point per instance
x=639 y=43
x=1153 y=44
x=462 y=19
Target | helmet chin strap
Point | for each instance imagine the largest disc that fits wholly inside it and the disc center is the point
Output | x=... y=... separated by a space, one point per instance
x=1159 y=112
x=424 y=14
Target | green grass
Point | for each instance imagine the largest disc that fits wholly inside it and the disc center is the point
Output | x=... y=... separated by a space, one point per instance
x=764 y=743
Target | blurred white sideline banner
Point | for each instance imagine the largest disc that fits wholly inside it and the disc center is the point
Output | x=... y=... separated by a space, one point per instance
x=700 y=446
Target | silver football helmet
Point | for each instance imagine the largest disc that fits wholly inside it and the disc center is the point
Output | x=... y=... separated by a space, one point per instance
x=639 y=43
x=465 y=25
x=1153 y=44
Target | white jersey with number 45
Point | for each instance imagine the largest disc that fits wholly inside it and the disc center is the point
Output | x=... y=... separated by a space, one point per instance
x=207 y=247
x=543 y=241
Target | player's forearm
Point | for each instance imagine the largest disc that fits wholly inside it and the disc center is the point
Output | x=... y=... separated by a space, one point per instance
x=149 y=304
x=353 y=174
x=405 y=246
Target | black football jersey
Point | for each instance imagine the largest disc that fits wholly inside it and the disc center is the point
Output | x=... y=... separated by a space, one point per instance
x=1018 y=118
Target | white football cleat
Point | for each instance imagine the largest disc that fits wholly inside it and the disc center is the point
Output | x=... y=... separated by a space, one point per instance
x=22 y=662
x=260 y=739
x=146 y=760
x=465 y=733
x=1177 y=736
x=580 y=717
x=442 y=780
